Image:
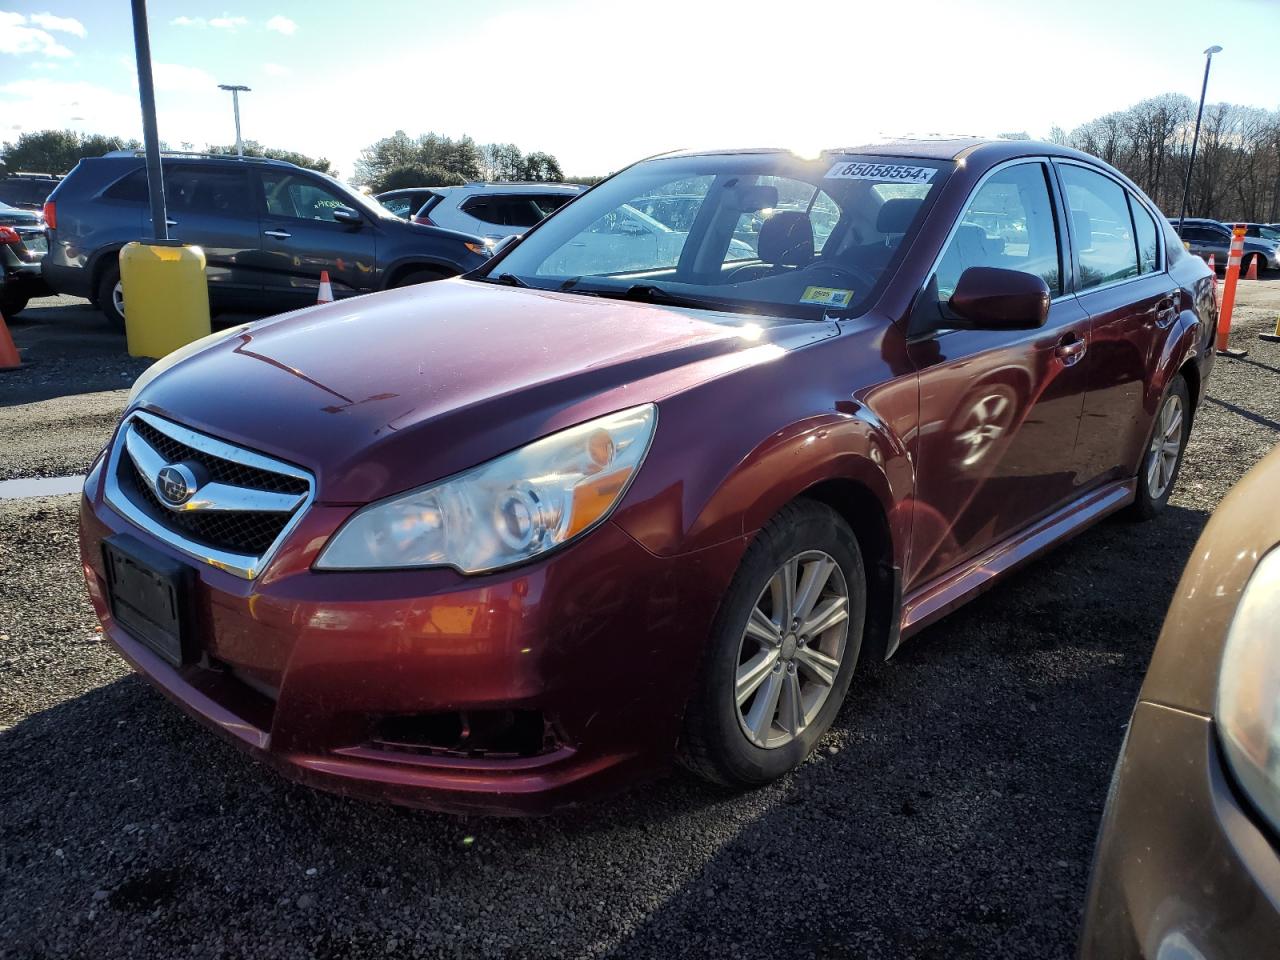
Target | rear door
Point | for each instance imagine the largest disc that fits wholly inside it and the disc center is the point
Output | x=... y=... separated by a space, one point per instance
x=999 y=409
x=212 y=206
x=1132 y=302
x=301 y=238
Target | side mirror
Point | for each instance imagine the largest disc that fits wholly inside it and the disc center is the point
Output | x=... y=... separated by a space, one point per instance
x=992 y=298
x=347 y=215
x=630 y=228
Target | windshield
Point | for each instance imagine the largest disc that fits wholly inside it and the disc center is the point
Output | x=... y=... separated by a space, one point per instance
x=1267 y=233
x=754 y=233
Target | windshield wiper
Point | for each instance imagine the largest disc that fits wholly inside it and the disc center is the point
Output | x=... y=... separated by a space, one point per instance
x=649 y=293
x=510 y=279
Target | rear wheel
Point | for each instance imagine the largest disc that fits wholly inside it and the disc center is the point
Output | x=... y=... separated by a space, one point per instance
x=111 y=297
x=1163 y=458
x=12 y=305
x=782 y=652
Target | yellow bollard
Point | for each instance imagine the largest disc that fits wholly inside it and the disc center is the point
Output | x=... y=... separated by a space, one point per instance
x=166 y=296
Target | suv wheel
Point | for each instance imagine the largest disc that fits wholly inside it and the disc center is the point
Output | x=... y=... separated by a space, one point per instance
x=12 y=305
x=782 y=651
x=413 y=277
x=111 y=297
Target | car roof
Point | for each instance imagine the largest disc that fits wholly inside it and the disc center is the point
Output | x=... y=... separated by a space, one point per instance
x=923 y=148
x=516 y=186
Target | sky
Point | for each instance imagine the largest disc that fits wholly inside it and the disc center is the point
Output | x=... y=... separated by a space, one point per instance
x=600 y=83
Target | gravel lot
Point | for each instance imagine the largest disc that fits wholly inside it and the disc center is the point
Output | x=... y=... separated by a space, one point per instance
x=951 y=812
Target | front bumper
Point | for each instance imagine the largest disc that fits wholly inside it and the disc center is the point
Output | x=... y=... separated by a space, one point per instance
x=1182 y=868
x=602 y=639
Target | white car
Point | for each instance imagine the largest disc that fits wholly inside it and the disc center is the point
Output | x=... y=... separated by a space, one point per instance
x=493 y=210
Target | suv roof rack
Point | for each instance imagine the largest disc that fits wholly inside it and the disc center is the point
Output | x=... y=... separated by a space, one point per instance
x=35 y=176
x=201 y=155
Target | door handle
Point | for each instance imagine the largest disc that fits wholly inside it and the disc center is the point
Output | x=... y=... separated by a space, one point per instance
x=278 y=234
x=171 y=223
x=1070 y=351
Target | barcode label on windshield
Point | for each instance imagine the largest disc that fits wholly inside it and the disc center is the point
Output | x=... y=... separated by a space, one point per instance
x=889 y=172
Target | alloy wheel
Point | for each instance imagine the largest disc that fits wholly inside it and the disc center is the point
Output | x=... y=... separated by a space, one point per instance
x=792 y=649
x=117 y=297
x=1166 y=447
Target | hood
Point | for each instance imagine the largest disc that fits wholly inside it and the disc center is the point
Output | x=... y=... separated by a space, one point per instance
x=385 y=392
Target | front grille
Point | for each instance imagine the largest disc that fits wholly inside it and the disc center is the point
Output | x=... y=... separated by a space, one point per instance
x=244 y=505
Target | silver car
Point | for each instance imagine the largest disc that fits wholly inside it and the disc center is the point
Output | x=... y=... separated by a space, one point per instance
x=494 y=210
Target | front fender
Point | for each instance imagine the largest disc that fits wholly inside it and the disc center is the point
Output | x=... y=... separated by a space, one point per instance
x=729 y=455
x=1184 y=342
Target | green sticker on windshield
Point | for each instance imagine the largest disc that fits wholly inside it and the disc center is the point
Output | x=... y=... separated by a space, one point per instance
x=827 y=296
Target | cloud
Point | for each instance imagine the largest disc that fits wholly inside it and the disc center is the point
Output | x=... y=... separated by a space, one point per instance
x=179 y=78
x=275 y=70
x=59 y=24
x=282 y=25
x=17 y=37
x=223 y=22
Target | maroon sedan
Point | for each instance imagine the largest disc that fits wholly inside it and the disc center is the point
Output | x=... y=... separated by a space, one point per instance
x=633 y=492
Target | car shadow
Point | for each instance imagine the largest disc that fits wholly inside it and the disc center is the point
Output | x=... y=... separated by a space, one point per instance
x=950 y=811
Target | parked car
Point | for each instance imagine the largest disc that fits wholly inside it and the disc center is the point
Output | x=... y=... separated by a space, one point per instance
x=503 y=542
x=1206 y=237
x=1263 y=231
x=27 y=191
x=267 y=228
x=1188 y=861
x=22 y=247
x=405 y=203
x=494 y=210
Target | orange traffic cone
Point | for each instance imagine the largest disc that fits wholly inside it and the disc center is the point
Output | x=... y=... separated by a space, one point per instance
x=326 y=288
x=9 y=359
x=1253 y=268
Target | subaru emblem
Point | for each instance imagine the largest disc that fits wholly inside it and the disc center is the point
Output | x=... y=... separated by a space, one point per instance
x=176 y=484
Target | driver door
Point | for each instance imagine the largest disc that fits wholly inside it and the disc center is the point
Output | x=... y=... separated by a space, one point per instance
x=300 y=238
x=999 y=409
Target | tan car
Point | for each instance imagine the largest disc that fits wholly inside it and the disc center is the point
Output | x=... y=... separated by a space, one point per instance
x=1188 y=858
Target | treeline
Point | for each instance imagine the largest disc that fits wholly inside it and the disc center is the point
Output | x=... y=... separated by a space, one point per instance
x=433 y=160
x=57 y=151
x=1237 y=169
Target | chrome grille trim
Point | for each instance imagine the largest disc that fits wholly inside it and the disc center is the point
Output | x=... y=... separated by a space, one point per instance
x=215 y=498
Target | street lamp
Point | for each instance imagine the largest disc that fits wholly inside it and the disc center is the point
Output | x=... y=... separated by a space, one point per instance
x=1195 y=137
x=236 y=90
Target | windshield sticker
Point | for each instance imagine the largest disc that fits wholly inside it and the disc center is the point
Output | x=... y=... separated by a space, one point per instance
x=890 y=172
x=827 y=296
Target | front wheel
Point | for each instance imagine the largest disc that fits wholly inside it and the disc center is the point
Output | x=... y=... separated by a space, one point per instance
x=1163 y=459
x=782 y=652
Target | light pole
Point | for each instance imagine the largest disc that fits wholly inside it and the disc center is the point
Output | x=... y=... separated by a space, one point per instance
x=236 y=90
x=1195 y=137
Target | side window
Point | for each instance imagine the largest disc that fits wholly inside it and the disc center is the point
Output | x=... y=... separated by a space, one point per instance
x=206 y=190
x=1100 y=226
x=1009 y=223
x=1148 y=238
x=291 y=195
x=398 y=205
x=132 y=188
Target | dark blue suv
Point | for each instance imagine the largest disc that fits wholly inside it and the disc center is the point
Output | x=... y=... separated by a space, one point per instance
x=267 y=228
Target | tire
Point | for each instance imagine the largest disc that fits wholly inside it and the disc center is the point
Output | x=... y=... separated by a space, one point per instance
x=109 y=303
x=716 y=743
x=1153 y=494
x=413 y=277
x=11 y=306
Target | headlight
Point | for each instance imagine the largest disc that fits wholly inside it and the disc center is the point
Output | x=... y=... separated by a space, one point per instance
x=169 y=359
x=1248 y=708
x=505 y=511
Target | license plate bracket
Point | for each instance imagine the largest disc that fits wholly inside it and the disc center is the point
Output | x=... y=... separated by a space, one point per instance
x=150 y=595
